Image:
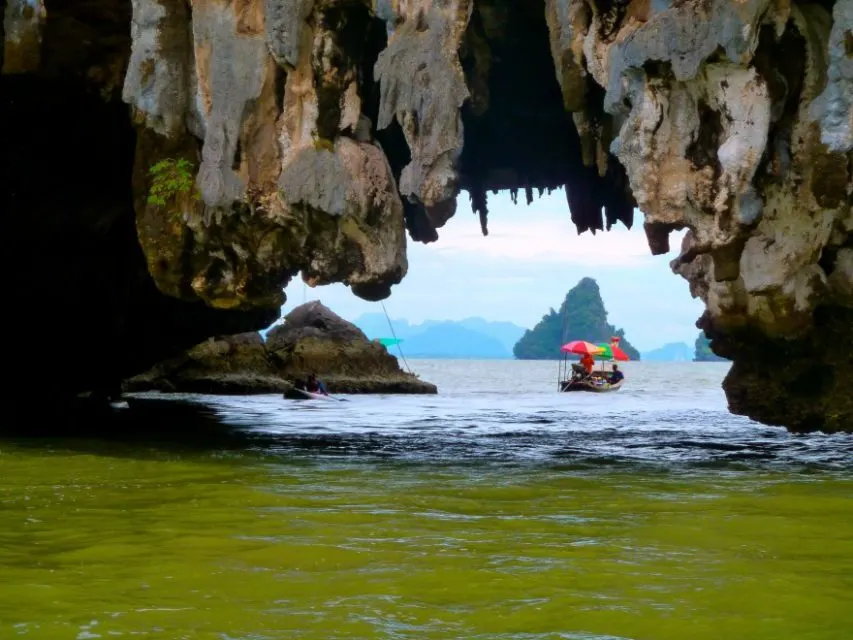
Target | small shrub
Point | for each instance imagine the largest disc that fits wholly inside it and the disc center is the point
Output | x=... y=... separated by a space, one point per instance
x=321 y=144
x=171 y=180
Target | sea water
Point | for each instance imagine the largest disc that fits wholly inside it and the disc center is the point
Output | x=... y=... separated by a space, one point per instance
x=496 y=509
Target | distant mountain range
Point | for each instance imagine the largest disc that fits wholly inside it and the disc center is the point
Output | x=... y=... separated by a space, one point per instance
x=680 y=352
x=473 y=338
x=671 y=352
x=480 y=339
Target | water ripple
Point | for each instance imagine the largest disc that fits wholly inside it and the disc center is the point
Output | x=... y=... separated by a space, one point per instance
x=526 y=429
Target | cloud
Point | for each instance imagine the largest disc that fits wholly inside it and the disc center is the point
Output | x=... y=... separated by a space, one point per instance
x=547 y=242
x=540 y=233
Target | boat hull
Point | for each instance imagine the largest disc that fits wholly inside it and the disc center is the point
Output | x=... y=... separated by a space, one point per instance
x=590 y=387
x=301 y=394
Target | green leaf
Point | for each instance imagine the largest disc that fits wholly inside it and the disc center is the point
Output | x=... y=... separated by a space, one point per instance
x=171 y=178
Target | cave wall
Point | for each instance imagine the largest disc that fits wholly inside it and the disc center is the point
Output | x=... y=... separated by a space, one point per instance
x=79 y=291
x=320 y=130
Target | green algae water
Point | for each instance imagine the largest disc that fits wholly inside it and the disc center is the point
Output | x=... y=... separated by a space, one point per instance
x=461 y=516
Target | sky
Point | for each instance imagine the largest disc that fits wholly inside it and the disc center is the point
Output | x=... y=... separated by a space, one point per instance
x=531 y=258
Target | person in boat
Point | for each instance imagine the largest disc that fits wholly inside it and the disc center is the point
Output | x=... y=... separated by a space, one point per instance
x=587 y=363
x=315 y=386
x=617 y=375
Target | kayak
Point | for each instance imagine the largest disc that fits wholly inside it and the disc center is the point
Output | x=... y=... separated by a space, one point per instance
x=302 y=394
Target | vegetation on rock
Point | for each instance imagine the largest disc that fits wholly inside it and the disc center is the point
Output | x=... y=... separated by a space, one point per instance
x=324 y=144
x=171 y=181
x=582 y=316
x=703 y=351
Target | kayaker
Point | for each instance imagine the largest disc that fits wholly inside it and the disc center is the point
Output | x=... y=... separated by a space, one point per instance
x=315 y=386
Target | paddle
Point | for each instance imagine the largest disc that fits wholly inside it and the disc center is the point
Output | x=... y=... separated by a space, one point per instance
x=331 y=397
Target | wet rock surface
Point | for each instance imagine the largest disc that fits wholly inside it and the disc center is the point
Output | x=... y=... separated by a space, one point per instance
x=319 y=131
x=225 y=365
x=312 y=339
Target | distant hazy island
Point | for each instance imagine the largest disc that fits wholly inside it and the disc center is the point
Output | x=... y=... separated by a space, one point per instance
x=670 y=352
x=703 y=350
x=472 y=338
x=582 y=316
x=681 y=352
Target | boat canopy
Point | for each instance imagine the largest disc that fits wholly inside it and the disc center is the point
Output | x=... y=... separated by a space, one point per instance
x=580 y=347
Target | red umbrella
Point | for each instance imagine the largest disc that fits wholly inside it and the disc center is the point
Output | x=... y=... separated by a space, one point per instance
x=581 y=347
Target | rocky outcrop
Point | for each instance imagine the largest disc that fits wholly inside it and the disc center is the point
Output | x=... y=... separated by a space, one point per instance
x=22 y=25
x=78 y=279
x=288 y=177
x=320 y=129
x=225 y=365
x=581 y=316
x=312 y=339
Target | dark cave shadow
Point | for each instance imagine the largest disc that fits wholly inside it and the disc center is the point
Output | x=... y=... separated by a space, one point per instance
x=149 y=425
x=154 y=427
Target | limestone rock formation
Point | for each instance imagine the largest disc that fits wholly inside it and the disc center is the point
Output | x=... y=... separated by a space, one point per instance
x=225 y=365
x=313 y=339
x=22 y=24
x=321 y=129
x=287 y=182
x=581 y=316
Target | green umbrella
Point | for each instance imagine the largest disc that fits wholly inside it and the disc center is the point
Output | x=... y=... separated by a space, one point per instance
x=390 y=342
x=611 y=352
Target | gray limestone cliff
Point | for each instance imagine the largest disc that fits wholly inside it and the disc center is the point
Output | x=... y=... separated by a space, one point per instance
x=321 y=131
